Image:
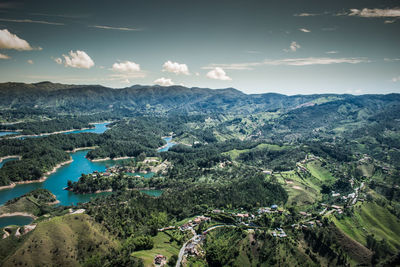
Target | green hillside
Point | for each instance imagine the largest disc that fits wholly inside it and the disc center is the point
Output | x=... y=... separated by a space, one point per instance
x=61 y=241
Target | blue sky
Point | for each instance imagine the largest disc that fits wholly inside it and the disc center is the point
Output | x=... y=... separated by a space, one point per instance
x=289 y=47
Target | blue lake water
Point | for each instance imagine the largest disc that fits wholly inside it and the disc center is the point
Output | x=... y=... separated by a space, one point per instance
x=7 y=133
x=7 y=160
x=15 y=220
x=152 y=192
x=98 y=128
x=57 y=181
x=169 y=144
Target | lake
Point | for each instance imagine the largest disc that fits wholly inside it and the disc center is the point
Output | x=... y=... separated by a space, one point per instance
x=7 y=160
x=57 y=181
x=15 y=220
x=7 y=133
x=99 y=128
x=169 y=144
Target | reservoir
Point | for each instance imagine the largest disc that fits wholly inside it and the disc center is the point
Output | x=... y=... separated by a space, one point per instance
x=15 y=220
x=57 y=181
x=7 y=160
x=7 y=133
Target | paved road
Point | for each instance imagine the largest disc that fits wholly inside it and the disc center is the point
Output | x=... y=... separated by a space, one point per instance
x=182 y=251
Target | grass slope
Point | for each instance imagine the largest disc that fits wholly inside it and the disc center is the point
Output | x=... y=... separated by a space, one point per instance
x=62 y=241
x=162 y=245
x=29 y=203
x=370 y=218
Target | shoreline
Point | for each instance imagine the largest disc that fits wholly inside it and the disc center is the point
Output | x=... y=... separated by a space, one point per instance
x=81 y=148
x=110 y=190
x=10 y=157
x=108 y=158
x=24 y=214
x=47 y=134
x=92 y=123
x=52 y=133
x=41 y=180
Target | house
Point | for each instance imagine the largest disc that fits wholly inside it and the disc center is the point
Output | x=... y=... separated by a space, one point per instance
x=311 y=223
x=242 y=215
x=159 y=259
x=264 y=210
x=282 y=234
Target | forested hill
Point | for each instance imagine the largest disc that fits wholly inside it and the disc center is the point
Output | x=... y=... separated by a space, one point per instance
x=157 y=99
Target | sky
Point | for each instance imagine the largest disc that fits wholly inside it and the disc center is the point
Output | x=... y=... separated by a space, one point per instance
x=289 y=47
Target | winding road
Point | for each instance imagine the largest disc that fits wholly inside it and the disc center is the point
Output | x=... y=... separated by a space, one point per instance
x=182 y=251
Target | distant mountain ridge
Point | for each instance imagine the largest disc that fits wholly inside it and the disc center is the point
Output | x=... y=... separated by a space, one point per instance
x=85 y=98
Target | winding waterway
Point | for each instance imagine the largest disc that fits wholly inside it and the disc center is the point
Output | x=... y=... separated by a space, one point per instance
x=7 y=133
x=57 y=181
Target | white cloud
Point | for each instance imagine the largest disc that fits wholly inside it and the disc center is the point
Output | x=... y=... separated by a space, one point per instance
x=391 y=59
x=304 y=30
x=331 y=52
x=126 y=67
x=396 y=79
x=114 y=28
x=306 y=15
x=288 y=62
x=3 y=56
x=12 y=41
x=294 y=46
x=375 y=12
x=164 y=82
x=218 y=74
x=78 y=59
x=29 y=61
x=32 y=21
x=390 y=21
x=175 y=67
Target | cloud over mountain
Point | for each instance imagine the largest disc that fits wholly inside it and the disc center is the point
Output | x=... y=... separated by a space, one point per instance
x=175 y=67
x=11 y=41
x=164 y=82
x=218 y=74
x=78 y=59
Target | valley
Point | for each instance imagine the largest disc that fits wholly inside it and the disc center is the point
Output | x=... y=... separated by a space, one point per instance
x=198 y=177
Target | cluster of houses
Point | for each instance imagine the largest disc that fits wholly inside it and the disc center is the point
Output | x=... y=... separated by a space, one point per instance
x=273 y=209
x=192 y=223
x=193 y=248
x=351 y=198
x=279 y=233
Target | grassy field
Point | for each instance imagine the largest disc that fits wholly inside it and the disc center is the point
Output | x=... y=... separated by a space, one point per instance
x=162 y=245
x=25 y=204
x=318 y=171
x=61 y=241
x=370 y=218
x=302 y=192
x=235 y=153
